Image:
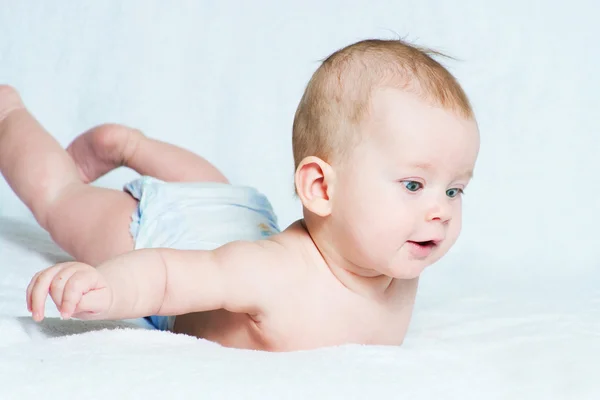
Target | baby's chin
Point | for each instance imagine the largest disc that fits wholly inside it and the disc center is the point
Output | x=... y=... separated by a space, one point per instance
x=407 y=269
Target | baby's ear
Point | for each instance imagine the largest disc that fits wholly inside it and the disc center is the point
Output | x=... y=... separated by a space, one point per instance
x=315 y=181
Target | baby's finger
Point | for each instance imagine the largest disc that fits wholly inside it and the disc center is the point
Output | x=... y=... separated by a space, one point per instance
x=32 y=283
x=58 y=285
x=77 y=286
x=39 y=292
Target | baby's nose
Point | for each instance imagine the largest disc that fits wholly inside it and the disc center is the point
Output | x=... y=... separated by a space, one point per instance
x=439 y=211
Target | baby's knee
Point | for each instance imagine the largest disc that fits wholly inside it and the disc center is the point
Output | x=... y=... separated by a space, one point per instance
x=109 y=135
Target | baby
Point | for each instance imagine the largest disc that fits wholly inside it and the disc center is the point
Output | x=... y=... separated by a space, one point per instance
x=385 y=143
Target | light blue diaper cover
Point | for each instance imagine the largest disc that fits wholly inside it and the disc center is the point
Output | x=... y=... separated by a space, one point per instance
x=196 y=216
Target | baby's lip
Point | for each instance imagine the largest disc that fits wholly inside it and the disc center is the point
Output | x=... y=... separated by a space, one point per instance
x=433 y=242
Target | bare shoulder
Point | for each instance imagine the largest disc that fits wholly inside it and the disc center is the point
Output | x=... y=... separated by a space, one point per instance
x=255 y=272
x=254 y=256
x=280 y=252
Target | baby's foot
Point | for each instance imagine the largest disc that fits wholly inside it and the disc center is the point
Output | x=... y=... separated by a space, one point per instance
x=102 y=149
x=9 y=101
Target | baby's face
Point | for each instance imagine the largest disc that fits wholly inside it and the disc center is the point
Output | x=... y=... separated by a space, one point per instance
x=398 y=201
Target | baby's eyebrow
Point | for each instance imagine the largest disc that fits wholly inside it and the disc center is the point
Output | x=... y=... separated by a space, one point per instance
x=423 y=165
x=427 y=166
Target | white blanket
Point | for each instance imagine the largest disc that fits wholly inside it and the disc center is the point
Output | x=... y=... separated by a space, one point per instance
x=485 y=341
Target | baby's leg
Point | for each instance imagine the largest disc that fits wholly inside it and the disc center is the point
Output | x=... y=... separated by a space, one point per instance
x=89 y=223
x=106 y=147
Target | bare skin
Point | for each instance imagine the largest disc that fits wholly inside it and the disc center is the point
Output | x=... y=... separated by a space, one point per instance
x=296 y=290
x=89 y=223
x=109 y=146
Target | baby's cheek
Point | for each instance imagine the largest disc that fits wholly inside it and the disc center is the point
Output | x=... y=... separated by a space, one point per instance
x=453 y=231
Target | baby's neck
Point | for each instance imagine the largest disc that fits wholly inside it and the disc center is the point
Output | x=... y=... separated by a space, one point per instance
x=373 y=286
x=365 y=282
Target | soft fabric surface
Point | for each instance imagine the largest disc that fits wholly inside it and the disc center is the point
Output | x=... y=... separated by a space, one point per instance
x=495 y=341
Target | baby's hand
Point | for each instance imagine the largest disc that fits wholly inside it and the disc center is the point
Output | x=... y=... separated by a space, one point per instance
x=77 y=289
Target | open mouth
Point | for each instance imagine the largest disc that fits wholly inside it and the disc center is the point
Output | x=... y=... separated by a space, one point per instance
x=422 y=249
x=426 y=243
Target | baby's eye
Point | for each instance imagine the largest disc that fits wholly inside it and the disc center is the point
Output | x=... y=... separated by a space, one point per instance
x=453 y=192
x=412 y=186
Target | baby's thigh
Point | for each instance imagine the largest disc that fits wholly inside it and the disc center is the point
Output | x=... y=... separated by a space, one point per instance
x=92 y=223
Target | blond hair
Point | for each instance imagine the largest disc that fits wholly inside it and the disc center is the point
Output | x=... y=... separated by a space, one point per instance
x=338 y=94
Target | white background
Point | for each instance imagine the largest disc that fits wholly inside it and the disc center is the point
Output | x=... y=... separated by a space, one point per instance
x=223 y=78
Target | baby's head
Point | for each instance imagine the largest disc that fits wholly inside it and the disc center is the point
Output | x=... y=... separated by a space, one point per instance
x=385 y=143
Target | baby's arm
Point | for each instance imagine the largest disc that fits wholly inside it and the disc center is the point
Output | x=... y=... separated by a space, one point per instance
x=157 y=282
